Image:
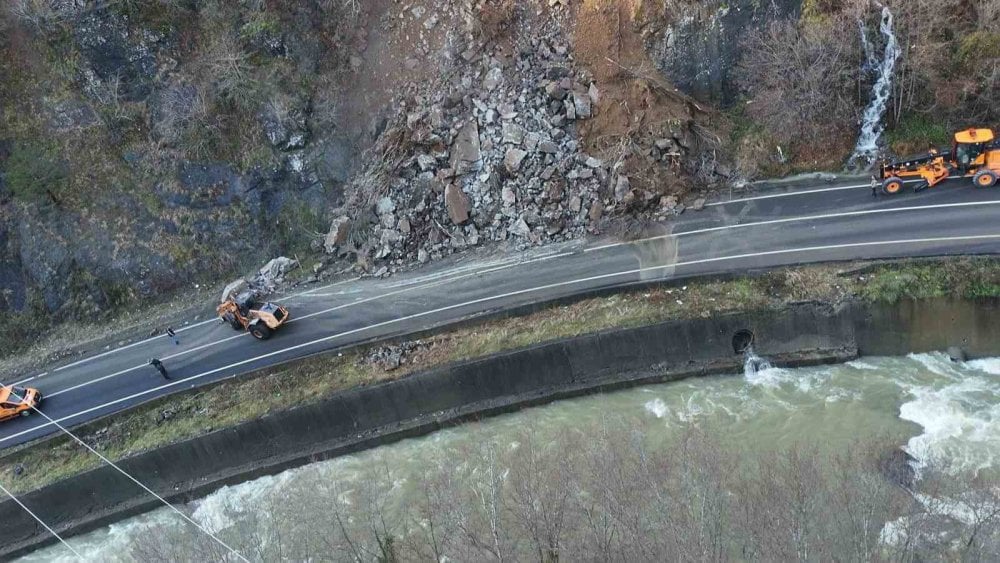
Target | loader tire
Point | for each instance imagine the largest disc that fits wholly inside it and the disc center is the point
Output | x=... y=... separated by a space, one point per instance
x=260 y=331
x=231 y=319
x=985 y=179
x=892 y=186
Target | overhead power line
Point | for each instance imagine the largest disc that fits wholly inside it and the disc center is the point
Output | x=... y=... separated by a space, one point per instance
x=134 y=480
x=40 y=521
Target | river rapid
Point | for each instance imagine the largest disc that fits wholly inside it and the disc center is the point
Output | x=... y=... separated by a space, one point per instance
x=944 y=414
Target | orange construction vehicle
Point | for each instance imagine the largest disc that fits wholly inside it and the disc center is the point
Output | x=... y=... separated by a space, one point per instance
x=974 y=154
x=17 y=401
x=243 y=314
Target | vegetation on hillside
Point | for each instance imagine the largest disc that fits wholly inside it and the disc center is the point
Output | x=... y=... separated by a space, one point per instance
x=807 y=80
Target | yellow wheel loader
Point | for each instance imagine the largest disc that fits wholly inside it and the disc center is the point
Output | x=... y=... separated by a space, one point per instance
x=975 y=153
x=242 y=313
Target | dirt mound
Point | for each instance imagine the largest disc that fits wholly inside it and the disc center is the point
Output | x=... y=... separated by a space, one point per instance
x=642 y=123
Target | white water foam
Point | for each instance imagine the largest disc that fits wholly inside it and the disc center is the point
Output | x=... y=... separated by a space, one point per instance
x=988 y=365
x=657 y=408
x=960 y=422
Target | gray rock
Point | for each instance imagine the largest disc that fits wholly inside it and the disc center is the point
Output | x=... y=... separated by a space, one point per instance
x=575 y=204
x=423 y=257
x=339 y=230
x=404 y=226
x=548 y=147
x=73 y=114
x=698 y=204
x=531 y=141
x=555 y=227
x=596 y=212
x=581 y=101
x=493 y=80
x=466 y=152
x=896 y=466
x=388 y=220
x=956 y=354
x=385 y=205
x=275 y=270
x=664 y=144
x=297 y=141
x=512 y=133
x=593 y=162
x=520 y=228
x=426 y=162
x=554 y=190
x=555 y=91
x=233 y=289
x=457 y=203
x=390 y=236
x=508 y=196
x=548 y=172
x=594 y=94
x=513 y=160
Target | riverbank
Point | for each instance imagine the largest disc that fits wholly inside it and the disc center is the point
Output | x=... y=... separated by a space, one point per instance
x=859 y=312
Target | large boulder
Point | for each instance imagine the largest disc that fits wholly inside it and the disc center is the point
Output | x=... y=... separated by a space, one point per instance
x=466 y=152
x=457 y=203
x=233 y=289
x=337 y=236
x=275 y=270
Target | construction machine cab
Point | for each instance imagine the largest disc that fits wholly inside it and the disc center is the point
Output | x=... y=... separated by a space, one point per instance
x=245 y=303
x=970 y=146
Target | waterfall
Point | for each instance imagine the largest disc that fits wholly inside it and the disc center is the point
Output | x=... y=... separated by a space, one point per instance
x=871 y=121
x=870 y=63
x=752 y=363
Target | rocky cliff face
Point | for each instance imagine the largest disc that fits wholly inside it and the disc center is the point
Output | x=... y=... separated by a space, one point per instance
x=146 y=145
x=700 y=43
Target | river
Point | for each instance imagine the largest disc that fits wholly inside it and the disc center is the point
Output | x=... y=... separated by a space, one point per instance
x=945 y=415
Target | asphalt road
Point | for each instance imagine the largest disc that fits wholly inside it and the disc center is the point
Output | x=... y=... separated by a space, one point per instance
x=806 y=224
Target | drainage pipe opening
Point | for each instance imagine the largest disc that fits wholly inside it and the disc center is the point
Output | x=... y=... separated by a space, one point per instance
x=742 y=340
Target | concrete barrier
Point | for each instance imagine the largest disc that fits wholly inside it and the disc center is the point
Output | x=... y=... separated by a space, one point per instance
x=361 y=418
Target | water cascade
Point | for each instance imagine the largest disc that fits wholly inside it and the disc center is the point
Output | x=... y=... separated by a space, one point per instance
x=866 y=149
x=752 y=363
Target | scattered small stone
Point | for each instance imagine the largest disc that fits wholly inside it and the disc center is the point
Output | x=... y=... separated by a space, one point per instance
x=493 y=79
x=507 y=196
x=514 y=159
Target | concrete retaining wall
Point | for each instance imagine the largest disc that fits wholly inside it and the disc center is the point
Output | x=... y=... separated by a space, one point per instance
x=366 y=417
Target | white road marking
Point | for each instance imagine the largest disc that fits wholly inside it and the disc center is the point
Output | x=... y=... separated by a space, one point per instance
x=33 y=377
x=331 y=309
x=502 y=296
x=795 y=219
x=790 y=194
x=182 y=329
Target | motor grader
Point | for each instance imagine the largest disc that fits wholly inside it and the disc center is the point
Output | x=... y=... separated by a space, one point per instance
x=242 y=313
x=975 y=153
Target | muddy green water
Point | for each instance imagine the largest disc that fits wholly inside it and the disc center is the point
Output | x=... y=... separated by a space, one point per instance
x=946 y=415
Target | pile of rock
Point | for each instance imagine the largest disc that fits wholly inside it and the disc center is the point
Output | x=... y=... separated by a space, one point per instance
x=494 y=157
x=391 y=357
x=264 y=282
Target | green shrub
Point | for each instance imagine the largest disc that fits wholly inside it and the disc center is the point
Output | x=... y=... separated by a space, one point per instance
x=916 y=133
x=35 y=173
x=977 y=46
